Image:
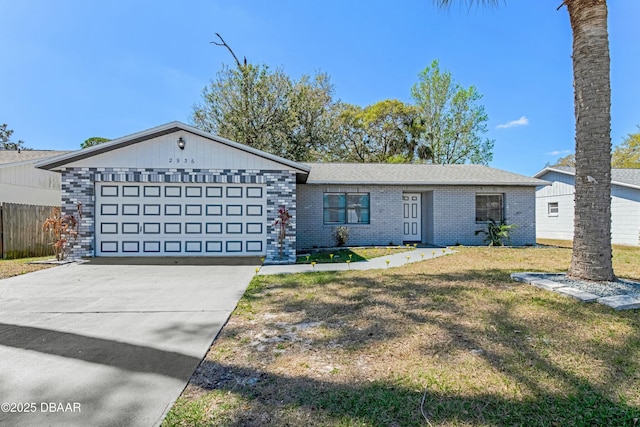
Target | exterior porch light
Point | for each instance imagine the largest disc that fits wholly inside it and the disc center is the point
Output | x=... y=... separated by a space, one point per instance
x=181 y=143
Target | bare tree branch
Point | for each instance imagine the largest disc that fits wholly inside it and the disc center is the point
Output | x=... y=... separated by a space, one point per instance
x=224 y=44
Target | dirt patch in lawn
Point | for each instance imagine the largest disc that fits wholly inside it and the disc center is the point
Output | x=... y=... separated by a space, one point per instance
x=364 y=348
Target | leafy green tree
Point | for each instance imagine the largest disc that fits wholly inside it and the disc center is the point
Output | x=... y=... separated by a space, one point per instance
x=592 y=256
x=6 y=143
x=452 y=120
x=627 y=154
x=568 y=160
x=386 y=131
x=95 y=140
x=268 y=110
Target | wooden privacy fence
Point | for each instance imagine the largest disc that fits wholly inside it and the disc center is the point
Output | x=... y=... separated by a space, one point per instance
x=21 y=233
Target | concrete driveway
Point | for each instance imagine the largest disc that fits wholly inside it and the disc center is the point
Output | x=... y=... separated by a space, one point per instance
x=108 y=345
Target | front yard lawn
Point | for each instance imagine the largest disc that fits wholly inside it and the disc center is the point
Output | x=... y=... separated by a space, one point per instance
x=365 y=348
x=15 y=267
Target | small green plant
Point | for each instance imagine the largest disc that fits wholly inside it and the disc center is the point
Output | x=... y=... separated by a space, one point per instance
x=341 y=235
x=497 y=233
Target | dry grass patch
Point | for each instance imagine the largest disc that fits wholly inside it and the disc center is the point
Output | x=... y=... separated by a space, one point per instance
x=16 y=267
x=625 y=258
x=359 y=348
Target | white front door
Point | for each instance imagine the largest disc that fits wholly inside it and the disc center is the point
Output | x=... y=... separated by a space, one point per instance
x=411 y=217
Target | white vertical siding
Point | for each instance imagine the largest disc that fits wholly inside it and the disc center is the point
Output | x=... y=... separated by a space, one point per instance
x=23 y=183
x=625 y=213
x=163 y=152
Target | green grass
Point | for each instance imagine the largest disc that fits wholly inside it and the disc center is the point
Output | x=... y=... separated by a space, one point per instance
x=351 y=254
x=359 y=348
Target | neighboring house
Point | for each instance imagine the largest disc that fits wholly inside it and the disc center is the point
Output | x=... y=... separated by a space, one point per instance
x=21 y=182
x=555 y=205
x=177 y=190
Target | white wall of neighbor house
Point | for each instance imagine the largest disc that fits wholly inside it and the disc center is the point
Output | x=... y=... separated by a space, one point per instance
x=449 y=215
x=551 y=224
x=625 y=211
x=625 y=215
x=23 y=183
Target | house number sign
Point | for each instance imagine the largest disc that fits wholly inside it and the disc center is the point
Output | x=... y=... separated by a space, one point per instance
x=182 y=160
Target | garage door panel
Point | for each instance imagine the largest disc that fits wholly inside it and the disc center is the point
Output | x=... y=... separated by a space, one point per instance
x=173 y=219
x=151 y=191
x=130 y=209
x=193 y=228
x=151 y=210
x=108 y=209
x=130 y=228
x=151 y=228
x=130 y=191
x=214 y=192
x=254 y=246
x=131 y=247
x=193 y=246
x=109 y=246
x=193 y=191
x=151 y=247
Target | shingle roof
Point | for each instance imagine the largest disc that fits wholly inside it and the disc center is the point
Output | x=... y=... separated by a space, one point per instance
x=624 y=177
x=15 y=156
x=414 y=174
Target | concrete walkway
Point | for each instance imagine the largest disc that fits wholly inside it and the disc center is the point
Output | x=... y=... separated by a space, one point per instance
x=390 y=261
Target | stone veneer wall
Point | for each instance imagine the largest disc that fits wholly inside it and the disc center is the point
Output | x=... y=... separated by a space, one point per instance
x=78 y=187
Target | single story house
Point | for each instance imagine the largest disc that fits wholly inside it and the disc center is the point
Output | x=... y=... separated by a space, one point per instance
x=21 y=182
x=555 y=205
x=177 y=190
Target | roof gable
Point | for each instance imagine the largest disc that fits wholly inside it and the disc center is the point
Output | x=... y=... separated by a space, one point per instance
x=202 y=150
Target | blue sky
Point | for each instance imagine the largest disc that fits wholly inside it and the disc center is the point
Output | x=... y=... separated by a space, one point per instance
x=76 y=69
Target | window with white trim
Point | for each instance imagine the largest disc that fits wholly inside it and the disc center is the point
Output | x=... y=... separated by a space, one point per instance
x=346 y=208
x=489 y=207
x=552 y=208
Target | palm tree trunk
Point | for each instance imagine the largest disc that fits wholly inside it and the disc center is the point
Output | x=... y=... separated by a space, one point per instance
x=592 y=255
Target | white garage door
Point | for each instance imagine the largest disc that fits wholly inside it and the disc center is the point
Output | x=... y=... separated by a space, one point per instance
x=161 y=219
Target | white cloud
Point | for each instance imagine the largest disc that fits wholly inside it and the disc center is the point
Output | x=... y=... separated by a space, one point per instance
x=559 y=152
x=522 y=121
